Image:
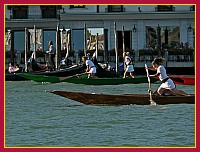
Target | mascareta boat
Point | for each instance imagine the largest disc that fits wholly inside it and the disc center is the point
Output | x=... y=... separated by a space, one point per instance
x=123 y=99
x=84 y=80
x=107 y=81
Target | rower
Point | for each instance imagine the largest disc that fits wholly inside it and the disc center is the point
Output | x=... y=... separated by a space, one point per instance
x=91 y=69
x=167 y=83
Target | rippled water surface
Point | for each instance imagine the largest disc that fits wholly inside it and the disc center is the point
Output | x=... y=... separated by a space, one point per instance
x=35 y=117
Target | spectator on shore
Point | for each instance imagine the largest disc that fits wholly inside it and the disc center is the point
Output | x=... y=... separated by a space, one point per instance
x=11 y=67
x=51 y=54
x=16 y=68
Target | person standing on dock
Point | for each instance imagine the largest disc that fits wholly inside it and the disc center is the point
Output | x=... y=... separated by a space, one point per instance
x=91 y=69
x=51 y=54
x=129 y=65
x=167 y=83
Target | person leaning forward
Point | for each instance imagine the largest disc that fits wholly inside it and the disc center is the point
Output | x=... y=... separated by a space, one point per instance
x=167 y=85
x=91 y=69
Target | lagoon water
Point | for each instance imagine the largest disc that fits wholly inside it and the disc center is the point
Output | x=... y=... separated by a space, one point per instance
x=35 y=117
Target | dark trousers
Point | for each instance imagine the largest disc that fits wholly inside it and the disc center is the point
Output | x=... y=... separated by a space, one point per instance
x=52 y=57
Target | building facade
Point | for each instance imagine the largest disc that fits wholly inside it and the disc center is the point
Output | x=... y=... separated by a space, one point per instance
x=145 y=27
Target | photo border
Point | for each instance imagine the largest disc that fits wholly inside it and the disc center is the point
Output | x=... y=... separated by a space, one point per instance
x=104 y=149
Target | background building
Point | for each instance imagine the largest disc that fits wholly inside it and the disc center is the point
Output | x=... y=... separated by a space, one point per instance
x=146 y=27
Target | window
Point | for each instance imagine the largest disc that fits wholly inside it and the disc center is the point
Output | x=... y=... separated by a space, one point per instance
x=49 y=11
x=8 y=40
x=115 y=8
x=92 y=37
x=38 y=39
x=170 y=36
x=19 y=40
x=77 y=6
x=47 y=36
x=77 y=39
x=20 y=12
x=164 y=8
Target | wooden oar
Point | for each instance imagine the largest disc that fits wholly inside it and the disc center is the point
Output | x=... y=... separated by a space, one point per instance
x=150 y=91
x=76 y=75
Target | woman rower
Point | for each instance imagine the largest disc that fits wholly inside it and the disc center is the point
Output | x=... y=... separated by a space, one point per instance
x=167 y=83
x=129 y=65
x=91 y=69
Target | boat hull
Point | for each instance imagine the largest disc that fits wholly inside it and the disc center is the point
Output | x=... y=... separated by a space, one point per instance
x=123 y=99
x=108 y=81
x=85 y=80
x=14 y=77
x=45 y=76
x=75 y=69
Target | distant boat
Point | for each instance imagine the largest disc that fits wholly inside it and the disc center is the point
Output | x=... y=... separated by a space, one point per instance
x=108 y=81
x=123 y=99
x=67 y=71
x=84 y=80
x=14 y=77
x=72 y=70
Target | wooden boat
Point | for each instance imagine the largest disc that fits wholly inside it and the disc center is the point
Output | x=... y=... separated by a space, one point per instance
x=69 y=71
x=123 y=99
x=72 y=70
x=108 y=81
x=84 y=80
x=102 y=73
x=185 y=80
x=14 y=77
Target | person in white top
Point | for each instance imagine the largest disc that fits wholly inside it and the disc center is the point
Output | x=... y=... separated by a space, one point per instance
x=167 y=83
x=129 y=65
x=91 y=69
x=51 y=54
x=11 y=68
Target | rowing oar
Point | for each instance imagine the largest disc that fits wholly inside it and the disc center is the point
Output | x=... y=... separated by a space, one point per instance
x=150 y=91
x=76 y=75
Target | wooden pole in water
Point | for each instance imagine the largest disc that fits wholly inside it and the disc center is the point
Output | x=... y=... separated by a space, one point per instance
x=58 y=47
x=116 y=52
x=34 y=42
x=25 y=49
x=67 y=45
x=56 y=53
x=123 y=44
x=85 y=39
x=97 y=46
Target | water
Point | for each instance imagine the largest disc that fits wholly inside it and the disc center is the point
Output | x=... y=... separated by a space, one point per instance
x=35 y=117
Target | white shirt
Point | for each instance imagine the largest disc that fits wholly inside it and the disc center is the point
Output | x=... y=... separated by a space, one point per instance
x=163 y=75
x=51 y=49
x=127 y=60
x=11 y=69
x=89 y=63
